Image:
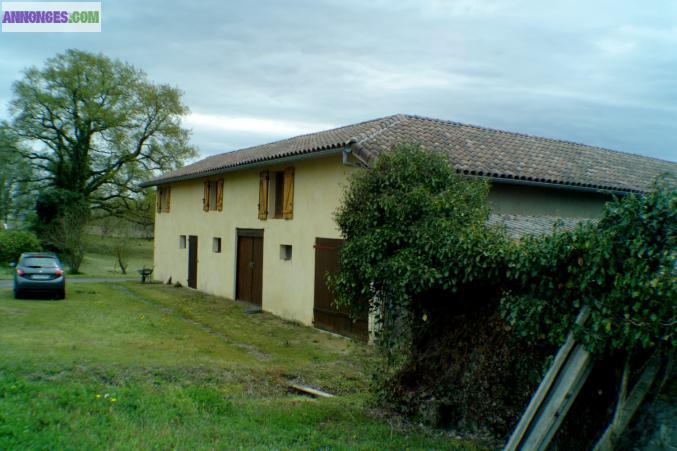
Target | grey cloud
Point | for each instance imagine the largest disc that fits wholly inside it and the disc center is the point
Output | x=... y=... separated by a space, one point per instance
x=601 y=73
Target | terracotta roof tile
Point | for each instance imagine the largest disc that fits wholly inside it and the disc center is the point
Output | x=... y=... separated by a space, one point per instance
x=472 y=150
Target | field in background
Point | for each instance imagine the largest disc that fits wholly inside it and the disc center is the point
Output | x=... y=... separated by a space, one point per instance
x=100 y=257
x=128 y=366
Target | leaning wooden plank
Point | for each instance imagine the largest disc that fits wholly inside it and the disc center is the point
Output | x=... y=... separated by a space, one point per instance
x=564 y=392
x=540 y=395
x=310 y=391
x=629 y=403
x=544 y=388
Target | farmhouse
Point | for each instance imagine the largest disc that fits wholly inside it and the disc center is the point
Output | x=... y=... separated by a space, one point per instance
x=257 y=224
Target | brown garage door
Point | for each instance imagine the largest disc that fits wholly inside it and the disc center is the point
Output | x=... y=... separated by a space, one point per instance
x=326 y=315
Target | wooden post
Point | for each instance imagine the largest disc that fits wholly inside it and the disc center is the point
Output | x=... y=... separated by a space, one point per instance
x=554 y=396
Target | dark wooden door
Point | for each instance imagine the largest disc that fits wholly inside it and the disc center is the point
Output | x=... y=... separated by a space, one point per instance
x=257 y=270
x=192 y=261
x=249 y=283
x=325 y=314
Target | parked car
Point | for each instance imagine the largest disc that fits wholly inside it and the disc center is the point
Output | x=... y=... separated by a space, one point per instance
x=40 y=273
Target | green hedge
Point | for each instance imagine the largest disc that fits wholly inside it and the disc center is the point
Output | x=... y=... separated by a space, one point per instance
x=14 y=242
x=623 y=268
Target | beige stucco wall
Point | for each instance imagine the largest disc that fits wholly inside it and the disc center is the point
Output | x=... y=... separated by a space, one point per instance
x=536 y=201
x=288 y=285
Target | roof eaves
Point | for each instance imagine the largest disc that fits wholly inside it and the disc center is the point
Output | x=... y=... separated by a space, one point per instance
x=511 y=179
x=248 y=164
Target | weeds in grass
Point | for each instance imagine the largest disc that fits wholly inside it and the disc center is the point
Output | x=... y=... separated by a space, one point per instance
x=131 y=366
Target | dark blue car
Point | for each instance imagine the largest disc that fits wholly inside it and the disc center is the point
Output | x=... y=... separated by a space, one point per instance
x=39 y=273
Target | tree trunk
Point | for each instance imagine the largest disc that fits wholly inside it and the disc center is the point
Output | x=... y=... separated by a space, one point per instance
x=120 y=256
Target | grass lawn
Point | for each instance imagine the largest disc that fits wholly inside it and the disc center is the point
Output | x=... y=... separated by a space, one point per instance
x=100 y=258
x=130 y=366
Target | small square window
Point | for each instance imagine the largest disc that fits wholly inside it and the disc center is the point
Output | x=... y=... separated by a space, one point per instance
x=182 y=241
x=216 y=245
x=285 y=251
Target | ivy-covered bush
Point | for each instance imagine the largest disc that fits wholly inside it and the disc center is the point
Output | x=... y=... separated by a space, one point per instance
x=415 y=232
x=624 y=267
x=419 y=249
x=624 y=270
x=14 y=242
x=467 y=319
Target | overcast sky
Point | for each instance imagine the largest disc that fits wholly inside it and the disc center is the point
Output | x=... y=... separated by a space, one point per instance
x=598 y=72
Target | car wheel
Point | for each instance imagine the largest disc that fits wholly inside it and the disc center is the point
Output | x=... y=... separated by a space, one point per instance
x=61 y=295
x=18 y=294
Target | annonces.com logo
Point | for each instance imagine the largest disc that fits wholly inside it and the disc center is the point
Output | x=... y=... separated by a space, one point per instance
x=51 y=17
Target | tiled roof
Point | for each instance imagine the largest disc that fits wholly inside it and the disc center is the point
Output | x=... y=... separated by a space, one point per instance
x=472 y=150
x=518 y=226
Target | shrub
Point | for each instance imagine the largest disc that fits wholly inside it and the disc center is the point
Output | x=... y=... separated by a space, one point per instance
x=415 y=232
x=418 y=247
x=468 y=319
x=623 y=268
x=14 y=242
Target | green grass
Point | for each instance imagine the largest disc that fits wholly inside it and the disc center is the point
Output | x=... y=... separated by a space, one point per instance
x=6 y=272
x=130 y=366
x=100 y=258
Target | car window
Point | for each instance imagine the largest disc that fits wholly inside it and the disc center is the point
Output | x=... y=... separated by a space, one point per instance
x=40 y=262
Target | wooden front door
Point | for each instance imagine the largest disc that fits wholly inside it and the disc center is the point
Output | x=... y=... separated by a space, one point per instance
x=325 y=314
x=249 y=284
x=192 y=261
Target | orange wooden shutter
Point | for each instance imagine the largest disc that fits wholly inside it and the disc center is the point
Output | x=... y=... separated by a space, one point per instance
x=288 y=211
x=263 y=195
x=205 y=200
x=219 y=195
x=158 y=200
x=169 y=197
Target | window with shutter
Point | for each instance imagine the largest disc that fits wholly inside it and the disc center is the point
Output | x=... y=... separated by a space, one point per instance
x=213 y=196
x=288 y=210
x=163 y=199
x=263 y=195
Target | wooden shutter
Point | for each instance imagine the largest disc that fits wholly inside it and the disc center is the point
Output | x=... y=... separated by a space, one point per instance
x=288 y=211
x=278 y=180
x=169 y=197
x=263 y=195
x=158 y=200
x=205 y=200
x=219 y=195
